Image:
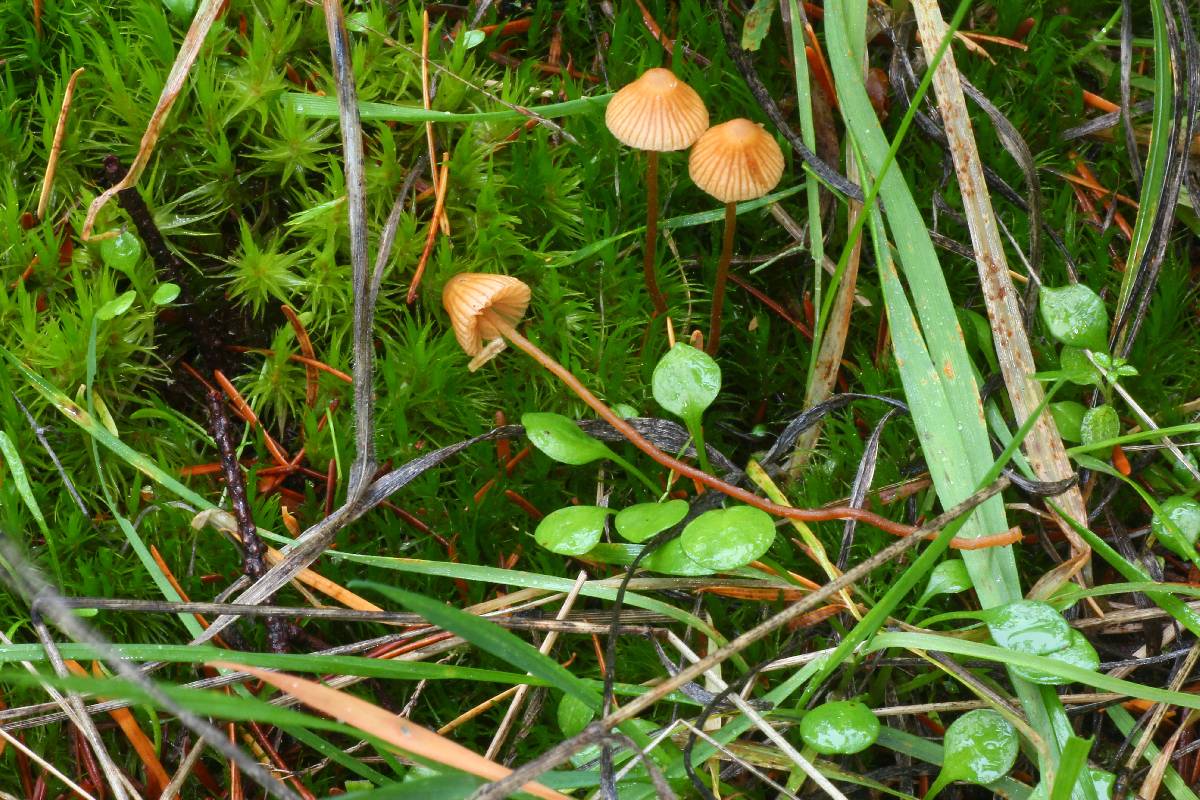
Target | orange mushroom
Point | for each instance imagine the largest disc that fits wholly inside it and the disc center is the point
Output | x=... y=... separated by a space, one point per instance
x=483 y=307
x=656 y=113
x=733 y=161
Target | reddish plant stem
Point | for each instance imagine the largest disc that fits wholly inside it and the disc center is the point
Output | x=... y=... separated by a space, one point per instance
x=688 y=471
x=656 y=295
x=718 y=295
x=253 y=549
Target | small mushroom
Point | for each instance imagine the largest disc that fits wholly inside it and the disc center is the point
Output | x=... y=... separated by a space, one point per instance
x=656 y=113
x=733 y=161
x=489 y=307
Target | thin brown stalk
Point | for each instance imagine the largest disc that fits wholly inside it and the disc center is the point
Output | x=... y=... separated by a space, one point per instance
x=718 y=295
x=648 y=259
x=688 y=471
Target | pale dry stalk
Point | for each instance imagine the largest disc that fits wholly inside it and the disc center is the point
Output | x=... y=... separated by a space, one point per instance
x=1043 y=446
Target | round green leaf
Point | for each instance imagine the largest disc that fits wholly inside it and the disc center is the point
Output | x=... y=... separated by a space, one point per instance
x=686 y=381
x=625 y=411
x=165 y=294
x=573 y=715
x=561 y=439
x=1028 y=626
x=1079 y=653
x=727 y=538
x=571 y=531
x=1177 y=525
x=1074 y=362
x=117 y=306
x=1099 y=424
x=980 y=747
x=948 y=577
x=1181 y=473
x=639 y=522
x=474 y=38
x=1075 y=315
x=842 y=727
x=1068 y=418
x=122 y=251
x=180 y=8
x=670 y=559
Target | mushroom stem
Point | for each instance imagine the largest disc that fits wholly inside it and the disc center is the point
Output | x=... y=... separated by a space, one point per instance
x=718 y=295
x=687 y=470
x=656 y=295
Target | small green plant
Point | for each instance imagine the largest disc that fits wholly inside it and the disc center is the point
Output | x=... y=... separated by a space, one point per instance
x=841 y=727
x=979 y=747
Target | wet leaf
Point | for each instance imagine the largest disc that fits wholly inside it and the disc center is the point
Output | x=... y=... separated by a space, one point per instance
x=117 y=306
x=1068 y=418
x=979 y=747
x=573 y=530
x=165 y=294
x=639 y=522
x=948 y=577
x=1177 y=525
x=841 y=727
x=1078 y=653
x=1075 y=315
x=561 y=439
x=1076 y=367
x=1099 y=424
x=686 y=381
x=121 y=252
x=1028 y=626
x=180 y=8
x=727 y=538
x=758 y=24
x=573 y=715
x=670 y=559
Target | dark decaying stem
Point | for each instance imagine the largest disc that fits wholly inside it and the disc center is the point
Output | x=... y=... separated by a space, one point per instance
x=656 y=295
x=253 y=550
x=718 y=295
x=168 y=265
x=688 y=471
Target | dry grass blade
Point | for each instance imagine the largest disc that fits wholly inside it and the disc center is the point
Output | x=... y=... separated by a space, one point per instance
x=397 y=731
x=206 y=14
x=1043 y=445
x=60 y=130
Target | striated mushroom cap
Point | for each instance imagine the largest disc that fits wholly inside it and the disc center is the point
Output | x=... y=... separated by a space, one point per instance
x=736 y=160
x=657 y=112
x=468 y=295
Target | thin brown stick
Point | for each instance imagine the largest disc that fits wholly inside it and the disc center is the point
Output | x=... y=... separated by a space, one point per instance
x=253 y=549
x=718 y=295
x=688 y=471
x=648 y=259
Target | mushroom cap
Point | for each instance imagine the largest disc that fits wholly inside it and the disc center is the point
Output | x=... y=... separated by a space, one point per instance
x=657 y=112
x=736 y=160
x=468 y=295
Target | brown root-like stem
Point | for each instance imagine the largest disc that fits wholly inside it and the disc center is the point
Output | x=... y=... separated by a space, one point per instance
x=656 y=295
x=718 y=295
x=688 y=471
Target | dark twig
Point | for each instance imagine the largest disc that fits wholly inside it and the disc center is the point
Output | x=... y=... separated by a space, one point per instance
x=40 y=433
x=253 y=549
